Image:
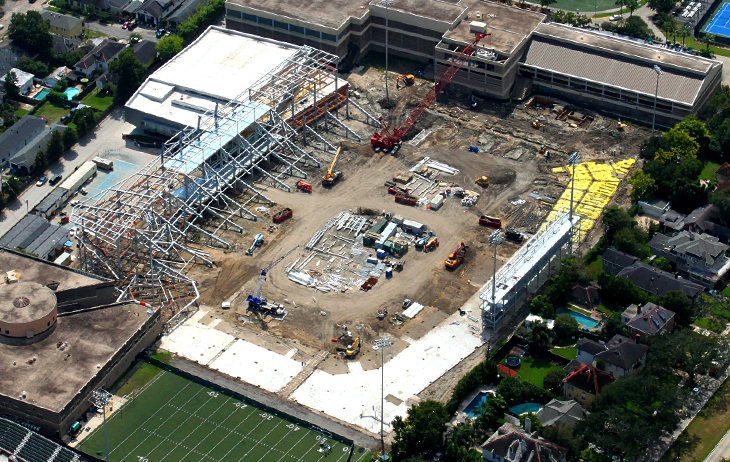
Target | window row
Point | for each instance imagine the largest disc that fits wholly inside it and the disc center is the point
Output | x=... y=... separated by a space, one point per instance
x=282 y=25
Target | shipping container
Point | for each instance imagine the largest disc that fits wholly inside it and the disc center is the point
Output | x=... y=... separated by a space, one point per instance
x=437 y=202
x=413 y=227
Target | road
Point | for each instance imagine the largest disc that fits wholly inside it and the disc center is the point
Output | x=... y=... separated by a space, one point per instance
x=721 y=451
x=115 y=30
x=108 y=132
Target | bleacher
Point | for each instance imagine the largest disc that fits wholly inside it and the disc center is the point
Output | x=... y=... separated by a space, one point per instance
x=29 y=446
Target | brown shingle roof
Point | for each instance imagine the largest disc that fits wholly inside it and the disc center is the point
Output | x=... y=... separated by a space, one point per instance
x=589 y=379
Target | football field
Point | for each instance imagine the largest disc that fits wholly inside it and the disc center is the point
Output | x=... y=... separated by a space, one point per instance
x=176 y=420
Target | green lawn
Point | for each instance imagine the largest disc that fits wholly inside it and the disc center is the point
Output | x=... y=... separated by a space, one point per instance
x=726 y=291
x=20 y=112
x=579 y=310
x=533 y=370
x=711 y=324
x=708 y=172
x=705 y=430
x=100 y=103
x=51 y=112
x=595 y=268
x=567 y=353
x=141 y=377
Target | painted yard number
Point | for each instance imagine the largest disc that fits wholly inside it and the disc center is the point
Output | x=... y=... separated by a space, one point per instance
x=241 y=405
x=267 y=416
x=142 y=459
x=292 y=427
x=212 y=394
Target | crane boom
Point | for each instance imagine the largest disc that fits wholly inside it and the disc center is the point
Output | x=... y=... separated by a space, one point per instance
x=387 y=140
x=332 y=176
x=255 y=294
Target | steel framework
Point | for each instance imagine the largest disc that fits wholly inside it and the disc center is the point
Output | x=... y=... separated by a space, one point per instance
x=147 y=229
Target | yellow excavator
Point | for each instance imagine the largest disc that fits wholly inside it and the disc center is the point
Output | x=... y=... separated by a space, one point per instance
x=482 y=181
x=351 y=350
x=332 y=176
x=408 y=79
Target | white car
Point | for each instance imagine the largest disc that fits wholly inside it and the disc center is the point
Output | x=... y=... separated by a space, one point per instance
x=615 y=17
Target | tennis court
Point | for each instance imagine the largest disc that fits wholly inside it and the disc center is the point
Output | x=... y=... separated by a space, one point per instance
x=176 y=420
x=720 y=22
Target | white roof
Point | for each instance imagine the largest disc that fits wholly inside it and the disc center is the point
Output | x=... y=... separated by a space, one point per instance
x=22 y=76
x=220 y=65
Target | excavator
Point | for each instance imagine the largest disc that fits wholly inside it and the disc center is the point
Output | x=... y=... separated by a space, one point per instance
x=408 y=79
x=457 y=257
x=351 y=350
x=332 y=176
x=482 y=181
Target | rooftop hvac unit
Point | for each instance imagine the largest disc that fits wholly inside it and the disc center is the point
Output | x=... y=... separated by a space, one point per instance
x=11 y=276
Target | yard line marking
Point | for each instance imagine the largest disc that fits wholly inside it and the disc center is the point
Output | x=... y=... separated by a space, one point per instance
x=243 y=438
x=198 y=428
x=155 y=413
x=234 y=431
x=252 y=447
x=291 y=430
x=296 y=444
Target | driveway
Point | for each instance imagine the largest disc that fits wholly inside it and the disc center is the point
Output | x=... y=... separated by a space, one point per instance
x=115 y=30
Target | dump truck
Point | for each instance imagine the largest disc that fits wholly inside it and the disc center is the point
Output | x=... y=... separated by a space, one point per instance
x=486 y=220
x=456 y=257
x=406 y=199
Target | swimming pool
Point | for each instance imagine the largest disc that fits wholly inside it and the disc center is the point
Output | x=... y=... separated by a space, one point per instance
x=581 y=318
x=41 y=95
x=525 y=407
x=71 y=92
x=472 y=408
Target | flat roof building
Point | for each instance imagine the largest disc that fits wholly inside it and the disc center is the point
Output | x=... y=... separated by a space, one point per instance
x=522 y=54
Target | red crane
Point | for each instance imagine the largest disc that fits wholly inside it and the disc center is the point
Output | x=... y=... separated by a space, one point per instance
x=387 y=140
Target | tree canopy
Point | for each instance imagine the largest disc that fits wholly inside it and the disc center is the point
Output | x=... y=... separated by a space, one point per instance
x=169 y=46
x=129 y=72
x=420 y=432
x=31 y=32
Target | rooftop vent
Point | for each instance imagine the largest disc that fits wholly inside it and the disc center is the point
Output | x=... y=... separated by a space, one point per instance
x=21 y=302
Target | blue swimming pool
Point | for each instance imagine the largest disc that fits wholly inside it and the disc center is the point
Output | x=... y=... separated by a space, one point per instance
x=525 y=407
x=581 y=318
x=472 y=408
x=41 y=95
x=71 y=92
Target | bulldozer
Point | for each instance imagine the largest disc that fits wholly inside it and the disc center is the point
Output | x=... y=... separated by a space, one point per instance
x=350 y=350
x=331 y=177
x=408 y=79
x=482 y=181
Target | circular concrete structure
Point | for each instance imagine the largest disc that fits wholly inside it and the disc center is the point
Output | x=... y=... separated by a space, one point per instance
x=27 y=313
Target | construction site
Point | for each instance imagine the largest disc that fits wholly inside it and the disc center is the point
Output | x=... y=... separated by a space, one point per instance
x=294 y=226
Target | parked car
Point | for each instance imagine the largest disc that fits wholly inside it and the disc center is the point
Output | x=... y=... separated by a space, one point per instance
x=41 y=181
x=126 y=24
x=55 y=179
x=615 y=17
x=160 y=32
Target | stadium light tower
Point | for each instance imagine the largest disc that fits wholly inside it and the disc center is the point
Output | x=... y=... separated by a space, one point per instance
x=381 y=344
x=659 y=72
x=100 y=399
x=386 y=4
x=573 y=160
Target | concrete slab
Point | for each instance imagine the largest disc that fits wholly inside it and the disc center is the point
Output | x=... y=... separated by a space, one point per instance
x=196 y=342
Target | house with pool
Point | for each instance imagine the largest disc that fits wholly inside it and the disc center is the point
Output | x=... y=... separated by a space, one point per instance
x=99 y=58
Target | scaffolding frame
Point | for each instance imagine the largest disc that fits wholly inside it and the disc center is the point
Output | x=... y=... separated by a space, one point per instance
x=147 y=229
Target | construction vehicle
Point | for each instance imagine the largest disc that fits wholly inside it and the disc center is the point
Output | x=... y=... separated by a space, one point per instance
x=456 y=257
x=543 y=149
x=621 y=126
x=514 y=236
x=257 y=241
x=486 y=220
x=282 y=215
x=431 y=244
x=331 y=177
x=537 y=124
x=351 y=349
x=406 y=199
x=408 y=79
x=387 y=140
x=304 y=187
x=482 y=181
x=257 y=302
x=382 y=313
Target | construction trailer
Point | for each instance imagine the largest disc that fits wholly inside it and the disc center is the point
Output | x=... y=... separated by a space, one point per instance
x=139 y=231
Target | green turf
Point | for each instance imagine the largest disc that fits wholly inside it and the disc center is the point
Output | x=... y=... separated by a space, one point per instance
x=567 y=353
x=176 y=420
x=100 y=103
x=708 y=172
x=587 y=7
x=51 y=112
x=534 y=369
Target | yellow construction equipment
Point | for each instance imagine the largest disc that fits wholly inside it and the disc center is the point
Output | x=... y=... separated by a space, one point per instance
x=409 y=79
x=482 y=181
x=353 y=349
x=537 y=124
x=621 y=125
x=332 y=176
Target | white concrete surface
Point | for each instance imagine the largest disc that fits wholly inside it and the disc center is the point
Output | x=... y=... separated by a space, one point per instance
x=257 y=366
x=196 y=342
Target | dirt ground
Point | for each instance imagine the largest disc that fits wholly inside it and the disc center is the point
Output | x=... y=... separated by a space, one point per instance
x=509 y=156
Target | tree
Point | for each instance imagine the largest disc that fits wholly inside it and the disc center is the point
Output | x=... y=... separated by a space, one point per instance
x=663 y=264
x=129 y=72
x=661 y=6
x=55 y=150
x=688 y=351
x=459 y=444
x=541 y=306
x=563 y=435
x=695 y=129
x=169 y=46
x=545 y=3
x=721 y=200
x=553 y=380
x=32 y=66
x=565 y=326
x=31 y=32
x=642 y=185
x=84 y=119
x=70 y=137
x=539 y=334
x=685 y=31
x=10 y=85
x=420 y=432
x=677 y=302
x=613 y=325
x=534 y=421
x=632 y=5
x=41 y=162
x=515 y=391
x=621 y=4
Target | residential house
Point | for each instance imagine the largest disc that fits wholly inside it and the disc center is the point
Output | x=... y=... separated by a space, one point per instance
x=644 y=322
x=63 y=45
x=106 y=80
x=700 y=257
x=23 y=161
x=587 y=296
x=25 y=80
x=513 y=444
x=36 y=235
x=584 y=383
x=722 y=174
x=696 y=221
x=619 y=356
x=561 y=413
x=145 y=51
x=614 y=261
x=63 y=24
x=153 y=11
x=181 y=13
x=56 y=76
x=719 y=231
x=672 y=220
x=654 y=208
x=99 y=57
x=20 y=135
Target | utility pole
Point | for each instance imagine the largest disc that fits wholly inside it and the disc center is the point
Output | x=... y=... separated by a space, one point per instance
x=659 y=72
x=573 y=160
x=381 y=344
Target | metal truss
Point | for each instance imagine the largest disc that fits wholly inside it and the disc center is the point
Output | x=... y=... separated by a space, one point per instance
x=147 y=229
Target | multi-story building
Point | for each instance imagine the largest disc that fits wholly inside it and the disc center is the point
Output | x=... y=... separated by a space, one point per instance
x=701 y=257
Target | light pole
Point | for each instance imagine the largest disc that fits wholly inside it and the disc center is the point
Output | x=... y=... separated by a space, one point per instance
x=573 y=160
x=386 y=4
x=495 y=240
x=659 y=72
x=381 y=344
x=100 y=399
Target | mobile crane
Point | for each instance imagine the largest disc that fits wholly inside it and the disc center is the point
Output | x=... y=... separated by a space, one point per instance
x=387 y=140
x=257 y=302
x=332 y=175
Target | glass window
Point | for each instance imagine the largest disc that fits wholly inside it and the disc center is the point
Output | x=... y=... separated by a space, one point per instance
x=266 y=21
x=331 y=38
x=249 y=17
x=281 y=25
x=313 y=33
x=233 y=14
x=297 y=29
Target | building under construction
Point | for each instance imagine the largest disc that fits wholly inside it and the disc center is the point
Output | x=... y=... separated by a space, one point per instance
x=144 y=231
